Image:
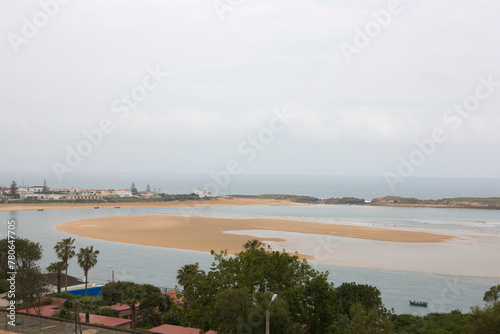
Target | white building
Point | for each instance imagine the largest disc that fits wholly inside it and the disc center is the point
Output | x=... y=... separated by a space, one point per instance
x=30 y=190
x=204 y=193
x=123 y=193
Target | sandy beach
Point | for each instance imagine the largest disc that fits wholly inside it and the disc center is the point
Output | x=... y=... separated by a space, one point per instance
x=206 y=234
x=172 y=204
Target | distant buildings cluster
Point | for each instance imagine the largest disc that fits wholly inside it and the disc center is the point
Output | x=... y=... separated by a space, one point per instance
x=45 y=193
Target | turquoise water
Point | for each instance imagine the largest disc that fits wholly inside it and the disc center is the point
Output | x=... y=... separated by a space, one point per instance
x=158 y=266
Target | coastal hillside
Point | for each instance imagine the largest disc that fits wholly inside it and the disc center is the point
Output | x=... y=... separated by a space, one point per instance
x=458 y=202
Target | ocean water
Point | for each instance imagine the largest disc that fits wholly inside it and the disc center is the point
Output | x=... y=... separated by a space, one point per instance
x=159 y=266
x=367 y=187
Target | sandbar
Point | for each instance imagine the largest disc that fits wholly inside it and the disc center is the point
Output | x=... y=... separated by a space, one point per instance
x=206 y=234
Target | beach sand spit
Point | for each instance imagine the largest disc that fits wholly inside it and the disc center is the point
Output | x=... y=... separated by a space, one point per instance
x=206 y=234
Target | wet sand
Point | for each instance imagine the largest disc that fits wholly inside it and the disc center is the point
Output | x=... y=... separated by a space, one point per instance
x=172 y=204
x=206 y=234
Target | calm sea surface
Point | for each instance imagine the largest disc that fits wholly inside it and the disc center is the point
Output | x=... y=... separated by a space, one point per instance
x=158 y=266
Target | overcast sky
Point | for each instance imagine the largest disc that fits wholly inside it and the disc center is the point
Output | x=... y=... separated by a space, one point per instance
x=358 y=102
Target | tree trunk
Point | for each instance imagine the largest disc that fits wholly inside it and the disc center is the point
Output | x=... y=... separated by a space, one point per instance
x=66 y=280
x=86 y=274
x=134 y=320
x=87 y=317
x=59 y=284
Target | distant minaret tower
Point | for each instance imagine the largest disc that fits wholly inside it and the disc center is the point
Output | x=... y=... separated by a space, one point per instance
x=148 y=188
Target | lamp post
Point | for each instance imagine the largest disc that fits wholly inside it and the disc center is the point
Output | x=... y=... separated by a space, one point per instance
x=267 y=313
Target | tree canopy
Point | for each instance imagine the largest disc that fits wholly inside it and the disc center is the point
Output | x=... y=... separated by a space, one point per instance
x=237 y=290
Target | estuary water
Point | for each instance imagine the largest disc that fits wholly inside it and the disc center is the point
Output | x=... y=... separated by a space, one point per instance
x=478 y=246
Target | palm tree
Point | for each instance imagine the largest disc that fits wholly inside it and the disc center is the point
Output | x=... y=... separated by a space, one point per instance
x=131 y=296
x=88 y=305
x=186 y=273
x=87 y=259
x=65 y=251
x=57 y=268
x=253 y=244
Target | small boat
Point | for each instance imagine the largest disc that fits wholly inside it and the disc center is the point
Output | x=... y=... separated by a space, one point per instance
x=117 y=207
x=96 y=207
x=416 y=303
x=40 y=209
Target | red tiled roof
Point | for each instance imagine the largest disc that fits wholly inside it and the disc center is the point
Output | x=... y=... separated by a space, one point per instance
x=106 y=321
x=171 y=329
x=122 y=307
x=45 y=310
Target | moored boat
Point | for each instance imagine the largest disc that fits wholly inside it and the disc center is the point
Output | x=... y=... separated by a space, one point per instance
x=417 y=303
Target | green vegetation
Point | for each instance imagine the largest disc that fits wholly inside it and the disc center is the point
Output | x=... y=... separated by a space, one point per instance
x=87 y=259
x=30 y=282
x=65 y=251
x=56 y=268
x=486 y=320
x=152 y=302
x=234 y=295
x=445 y=323
x=292 y=198
x=181 y=197
x=459 y=202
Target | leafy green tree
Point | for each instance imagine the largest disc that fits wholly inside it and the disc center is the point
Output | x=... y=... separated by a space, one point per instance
x=149 y=297
x=133 y=189
x=492 y=296
x=253 y=244
x=174 y=316
x=486 y=320
x=56 y=268
x=108 y=312
x=241 y=311
x=64 y=313
x=28 y=253
x=232 y=310
x=30 y=285
x=30 y=282
x=112 y=292
x=13 y=189
x=349 y=294
x=368 y=321
x=304 y=293
x=153 y=304
x=65 y=250
x=433 y=323
x=87 y=259
x=281 y=321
